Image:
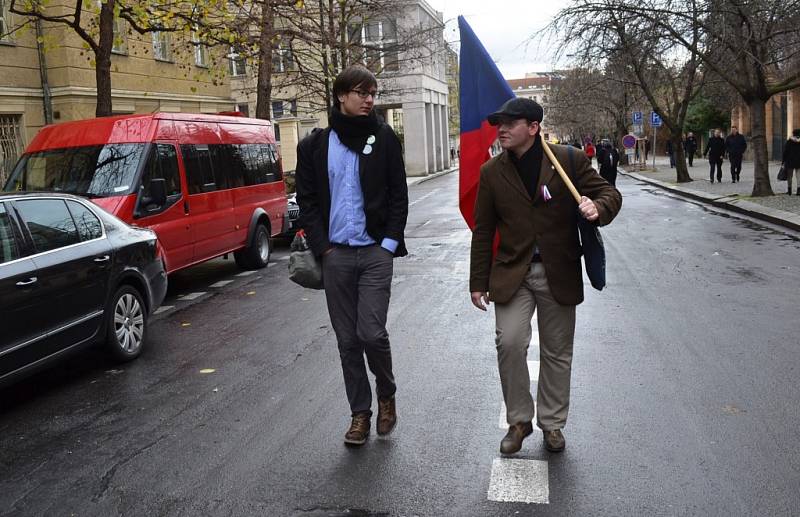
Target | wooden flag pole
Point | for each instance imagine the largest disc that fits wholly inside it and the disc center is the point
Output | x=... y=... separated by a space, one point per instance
x=560 y=170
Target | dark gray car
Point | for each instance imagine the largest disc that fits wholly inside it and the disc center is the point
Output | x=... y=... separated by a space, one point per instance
x=71 y=274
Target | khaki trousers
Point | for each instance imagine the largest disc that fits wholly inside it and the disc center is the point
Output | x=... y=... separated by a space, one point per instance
x=556 y=333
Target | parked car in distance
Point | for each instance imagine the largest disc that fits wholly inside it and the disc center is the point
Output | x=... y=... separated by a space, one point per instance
x=72 y=275
x=292 y=215
x=208 y=185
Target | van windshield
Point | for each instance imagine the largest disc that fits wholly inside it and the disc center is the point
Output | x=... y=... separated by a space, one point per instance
x=93 y=171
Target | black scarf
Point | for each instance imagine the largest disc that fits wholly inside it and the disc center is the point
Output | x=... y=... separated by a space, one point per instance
x=353 y=131
x=528 y=165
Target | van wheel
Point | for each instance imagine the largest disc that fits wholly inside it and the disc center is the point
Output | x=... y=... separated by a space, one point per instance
x=126 y=324
x=257 y=254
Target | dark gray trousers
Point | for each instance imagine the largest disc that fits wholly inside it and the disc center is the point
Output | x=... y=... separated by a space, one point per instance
x=358 y=284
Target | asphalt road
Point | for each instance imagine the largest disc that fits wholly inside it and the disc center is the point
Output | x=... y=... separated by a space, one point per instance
x=684 y=401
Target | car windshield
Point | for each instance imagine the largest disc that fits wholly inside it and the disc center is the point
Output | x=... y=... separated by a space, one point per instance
x=94 y=171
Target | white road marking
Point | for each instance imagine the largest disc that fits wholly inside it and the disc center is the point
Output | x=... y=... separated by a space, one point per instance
x=246 y=273
x=429 y=194
x=519 y=481
x=271 y=264
x=284 y=258
x=222 y=283
x=164 y=308
x=191 y=296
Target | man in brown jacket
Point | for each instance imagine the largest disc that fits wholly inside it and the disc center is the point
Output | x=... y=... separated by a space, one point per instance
x=537 y=265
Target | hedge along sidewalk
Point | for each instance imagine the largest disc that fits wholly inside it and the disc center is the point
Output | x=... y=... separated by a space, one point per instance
x=780 y=209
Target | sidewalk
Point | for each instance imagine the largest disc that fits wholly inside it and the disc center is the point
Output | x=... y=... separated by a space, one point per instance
x=413 y=180
x=779 y=209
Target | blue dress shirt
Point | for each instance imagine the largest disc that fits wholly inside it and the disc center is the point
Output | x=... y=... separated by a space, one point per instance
x=348 y=223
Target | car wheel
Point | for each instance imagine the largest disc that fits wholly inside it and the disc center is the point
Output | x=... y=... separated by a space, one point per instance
x=257 y=254
x=126 y=324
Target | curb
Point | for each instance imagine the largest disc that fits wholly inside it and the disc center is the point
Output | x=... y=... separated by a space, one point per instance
x=423 y=179
x=732 y=203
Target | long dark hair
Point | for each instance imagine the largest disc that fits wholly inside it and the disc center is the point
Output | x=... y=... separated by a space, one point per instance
x=349 y=78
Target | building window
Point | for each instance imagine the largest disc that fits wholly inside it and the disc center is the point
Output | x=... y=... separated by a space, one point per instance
x=5 y=25
x=380 y=40
x=237 y=62
x=282 y=59
x=277 y=109
x=10 y=144
x=120 y=37
x=244 y=109
x=161 y=46
x=200 y=58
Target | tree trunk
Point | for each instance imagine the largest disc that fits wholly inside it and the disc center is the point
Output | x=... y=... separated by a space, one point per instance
x=680 y=160
x=102 y=67
x=325 y=48
x=758 y=129
x=264 y=84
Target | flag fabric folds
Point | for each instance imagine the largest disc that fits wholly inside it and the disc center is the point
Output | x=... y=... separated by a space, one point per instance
x=482 y=91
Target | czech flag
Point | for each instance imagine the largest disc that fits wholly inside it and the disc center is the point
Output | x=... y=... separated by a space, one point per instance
x=482 y=91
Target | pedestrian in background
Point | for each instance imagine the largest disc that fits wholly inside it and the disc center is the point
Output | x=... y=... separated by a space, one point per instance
x=715 y=150
x=735 y=146
x=353 y=197
x=591 y=150
x=791 y=160
x=537 y=266
x=609 y=162
x=646 y=148
x=671 y=154
x=690 y=147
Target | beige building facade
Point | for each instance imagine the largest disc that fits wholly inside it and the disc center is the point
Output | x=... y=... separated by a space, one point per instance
x=150 y=73
x=782 y=117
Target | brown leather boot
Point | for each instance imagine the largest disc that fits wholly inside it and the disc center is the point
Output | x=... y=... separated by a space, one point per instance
x=387 y=416
x=512 y=442
x=359 y=430
x=554 y=440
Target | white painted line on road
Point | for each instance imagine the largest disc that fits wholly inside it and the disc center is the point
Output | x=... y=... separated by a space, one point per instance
x=246 y=273
x=429 y=194
x=519 y=481
x=191 y=296
x=284 y=258
x=272 y=264
x=164 y=308
x=222 y=283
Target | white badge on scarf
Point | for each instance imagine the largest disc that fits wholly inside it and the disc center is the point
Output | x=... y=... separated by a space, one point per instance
x=368 y=148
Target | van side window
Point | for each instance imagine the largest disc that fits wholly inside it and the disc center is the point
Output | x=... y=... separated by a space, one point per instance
x=252 y=159
x=273 y=171
x=162 y=163
x=228 y=166
x=199 y=173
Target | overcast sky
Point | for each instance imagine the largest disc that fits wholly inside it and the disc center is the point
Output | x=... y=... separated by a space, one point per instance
x=504 y=27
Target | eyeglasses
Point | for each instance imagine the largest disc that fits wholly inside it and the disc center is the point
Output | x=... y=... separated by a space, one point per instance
x=363 y=95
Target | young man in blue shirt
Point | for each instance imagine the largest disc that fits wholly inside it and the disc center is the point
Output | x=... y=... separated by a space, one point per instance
x=353 y=198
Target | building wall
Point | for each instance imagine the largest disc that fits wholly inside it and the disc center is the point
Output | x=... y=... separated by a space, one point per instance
x=140 y=83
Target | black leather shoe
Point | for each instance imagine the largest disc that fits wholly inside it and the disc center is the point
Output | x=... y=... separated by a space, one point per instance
x=554 y=440
x=512 y=442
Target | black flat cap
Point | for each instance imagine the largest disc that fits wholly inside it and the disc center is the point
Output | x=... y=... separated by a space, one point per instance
x=518 y=107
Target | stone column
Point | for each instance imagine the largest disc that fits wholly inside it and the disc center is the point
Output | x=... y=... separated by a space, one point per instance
x=414 y=131
x=289 y=139
x=793 y=113
x=445 y=132
x=429 y=138
x=437 y=137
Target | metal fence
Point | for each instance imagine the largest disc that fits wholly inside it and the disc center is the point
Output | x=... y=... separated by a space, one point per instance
x=10 y=144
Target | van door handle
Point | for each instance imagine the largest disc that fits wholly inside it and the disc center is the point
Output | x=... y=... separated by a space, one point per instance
x=186 y=207
x=102 y=259
x=32 y=280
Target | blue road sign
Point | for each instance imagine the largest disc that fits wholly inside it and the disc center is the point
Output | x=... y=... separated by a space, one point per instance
x=637 y=117
x=655 y=120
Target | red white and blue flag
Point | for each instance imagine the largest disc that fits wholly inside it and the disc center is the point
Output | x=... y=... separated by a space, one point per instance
x=482 y=91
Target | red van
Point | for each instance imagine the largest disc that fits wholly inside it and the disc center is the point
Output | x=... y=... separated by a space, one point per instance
x=207 y=184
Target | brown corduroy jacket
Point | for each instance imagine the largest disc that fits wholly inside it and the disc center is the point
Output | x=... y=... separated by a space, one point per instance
x=504 y=205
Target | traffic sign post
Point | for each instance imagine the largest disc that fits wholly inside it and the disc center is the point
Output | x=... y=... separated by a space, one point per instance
x=655 y=122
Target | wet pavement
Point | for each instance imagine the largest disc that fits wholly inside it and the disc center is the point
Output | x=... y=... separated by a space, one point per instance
x=684 y=390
